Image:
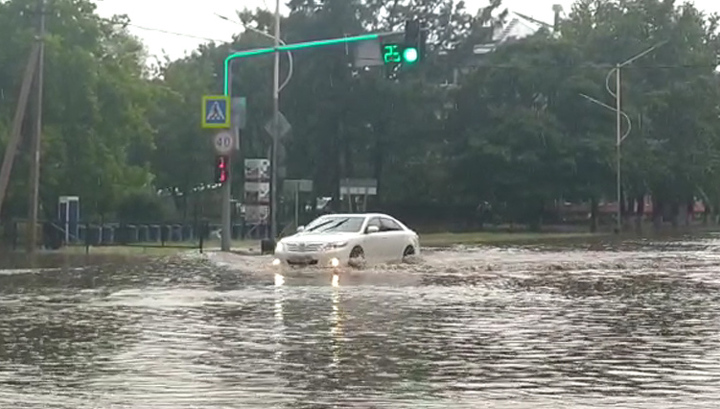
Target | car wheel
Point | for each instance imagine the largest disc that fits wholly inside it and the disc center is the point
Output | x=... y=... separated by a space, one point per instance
x=357 y=257
x=408 y=252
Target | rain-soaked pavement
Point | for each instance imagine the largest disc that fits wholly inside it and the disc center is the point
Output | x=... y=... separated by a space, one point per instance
x=599 y=326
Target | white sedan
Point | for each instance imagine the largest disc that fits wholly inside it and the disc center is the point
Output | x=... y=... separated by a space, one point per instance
x=348 y=239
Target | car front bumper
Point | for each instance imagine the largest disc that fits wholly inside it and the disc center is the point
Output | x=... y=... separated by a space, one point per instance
x=324 y=259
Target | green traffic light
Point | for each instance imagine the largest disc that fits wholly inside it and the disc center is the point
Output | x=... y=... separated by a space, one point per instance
x=410 y=55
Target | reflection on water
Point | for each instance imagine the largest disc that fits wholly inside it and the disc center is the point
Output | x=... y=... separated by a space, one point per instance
x=279 y=319
x=467 y=328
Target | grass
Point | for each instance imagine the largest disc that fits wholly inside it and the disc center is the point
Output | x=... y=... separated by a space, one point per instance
x=428 y=240
x=449 y=239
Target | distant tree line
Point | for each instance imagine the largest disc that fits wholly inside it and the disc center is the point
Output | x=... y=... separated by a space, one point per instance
x=504 y=137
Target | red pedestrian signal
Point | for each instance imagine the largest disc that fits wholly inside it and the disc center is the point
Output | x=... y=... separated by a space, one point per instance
x=222 y=168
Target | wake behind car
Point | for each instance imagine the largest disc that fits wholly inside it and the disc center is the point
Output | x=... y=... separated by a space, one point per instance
x=347 y=239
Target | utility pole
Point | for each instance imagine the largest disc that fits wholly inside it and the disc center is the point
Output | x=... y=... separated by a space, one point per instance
x=36 y=140
x=276 y=113
x=15 y=133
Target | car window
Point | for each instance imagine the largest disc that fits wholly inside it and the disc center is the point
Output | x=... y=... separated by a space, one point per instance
x=374 y=222
x=317 y=221
x=389 y=225
x=335 y=224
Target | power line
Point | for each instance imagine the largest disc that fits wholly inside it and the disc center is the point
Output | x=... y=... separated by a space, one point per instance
x=175 y=33
x=590 y=65
x=160 y=30
x=477 y=65
x=157 y=30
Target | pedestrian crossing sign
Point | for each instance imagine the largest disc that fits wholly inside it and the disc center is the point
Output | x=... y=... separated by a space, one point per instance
x=216 y=111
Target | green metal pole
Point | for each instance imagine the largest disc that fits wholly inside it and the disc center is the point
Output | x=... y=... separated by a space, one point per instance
x=297 y=46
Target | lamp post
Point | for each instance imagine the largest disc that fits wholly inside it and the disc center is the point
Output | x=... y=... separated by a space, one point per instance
x=618 y=116
x=276 y=113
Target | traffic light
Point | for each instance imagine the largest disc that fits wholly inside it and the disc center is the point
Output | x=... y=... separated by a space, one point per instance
x=222 y=168
x=411 y=45
x=401 y=55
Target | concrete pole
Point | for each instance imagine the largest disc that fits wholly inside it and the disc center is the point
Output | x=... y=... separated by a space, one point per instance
x=274 y=165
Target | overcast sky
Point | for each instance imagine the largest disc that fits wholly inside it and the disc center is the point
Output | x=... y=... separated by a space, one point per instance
x=198 y=18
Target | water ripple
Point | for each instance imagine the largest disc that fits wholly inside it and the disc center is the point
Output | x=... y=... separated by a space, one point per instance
x=523 y=327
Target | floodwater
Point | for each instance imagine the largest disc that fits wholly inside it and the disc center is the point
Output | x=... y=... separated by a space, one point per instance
x=586 y=326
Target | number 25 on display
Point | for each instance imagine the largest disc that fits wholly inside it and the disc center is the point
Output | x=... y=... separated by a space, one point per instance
x=391 y=53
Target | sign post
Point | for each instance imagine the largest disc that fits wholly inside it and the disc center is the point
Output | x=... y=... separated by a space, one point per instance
x=354 y=188
x=295 y=187
x=216 y=115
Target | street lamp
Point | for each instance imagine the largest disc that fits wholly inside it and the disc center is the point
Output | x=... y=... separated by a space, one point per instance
x=618 y=114
x=604 y=105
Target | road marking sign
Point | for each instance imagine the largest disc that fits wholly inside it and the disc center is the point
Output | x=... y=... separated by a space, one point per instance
x=223 y=142
x=216 y=111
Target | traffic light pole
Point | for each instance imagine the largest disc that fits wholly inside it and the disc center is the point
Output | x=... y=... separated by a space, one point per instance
x=298 y=46
x=274 y=166
x=226 y=211
x=226 y=229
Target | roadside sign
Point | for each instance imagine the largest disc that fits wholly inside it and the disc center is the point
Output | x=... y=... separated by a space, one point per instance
x=358 y=187
x=239 y=112
x=216 y=111
x=283 y=126
x=298 y=185
x=223 y=142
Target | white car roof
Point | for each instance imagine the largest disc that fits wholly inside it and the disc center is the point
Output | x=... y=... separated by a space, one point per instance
x=357 y=215
x=364 y=215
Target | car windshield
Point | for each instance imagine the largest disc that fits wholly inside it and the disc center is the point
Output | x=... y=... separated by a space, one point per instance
x=337 y=224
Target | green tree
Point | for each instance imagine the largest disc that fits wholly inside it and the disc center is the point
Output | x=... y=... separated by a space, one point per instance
x=96 y=99
x=672 y=150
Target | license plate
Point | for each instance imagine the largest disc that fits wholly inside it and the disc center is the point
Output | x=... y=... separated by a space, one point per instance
x=299 y=259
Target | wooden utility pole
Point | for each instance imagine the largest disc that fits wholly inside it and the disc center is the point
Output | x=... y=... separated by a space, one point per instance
x=15 y=133
x=34 y=197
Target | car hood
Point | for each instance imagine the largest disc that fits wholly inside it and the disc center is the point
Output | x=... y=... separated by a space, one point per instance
x=319 y=237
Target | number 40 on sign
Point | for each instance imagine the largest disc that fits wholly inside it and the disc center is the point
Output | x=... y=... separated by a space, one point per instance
x=223 y=142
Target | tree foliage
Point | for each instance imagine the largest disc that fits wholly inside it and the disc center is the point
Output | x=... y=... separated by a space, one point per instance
x=513 y=131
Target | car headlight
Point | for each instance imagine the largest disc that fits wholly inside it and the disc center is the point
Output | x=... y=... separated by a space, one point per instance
x=279 y=247
x=333 y=246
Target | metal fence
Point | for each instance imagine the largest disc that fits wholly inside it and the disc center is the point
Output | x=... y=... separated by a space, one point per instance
x=54 y=235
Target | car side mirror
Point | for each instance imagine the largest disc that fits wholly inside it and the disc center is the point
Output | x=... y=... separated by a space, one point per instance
x=300 y=229
x=372 y=229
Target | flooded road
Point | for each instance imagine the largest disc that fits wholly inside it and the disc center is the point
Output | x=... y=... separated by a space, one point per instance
x=587 y=326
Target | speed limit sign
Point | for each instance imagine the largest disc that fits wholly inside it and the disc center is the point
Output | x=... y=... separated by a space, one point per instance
x=223 y=142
